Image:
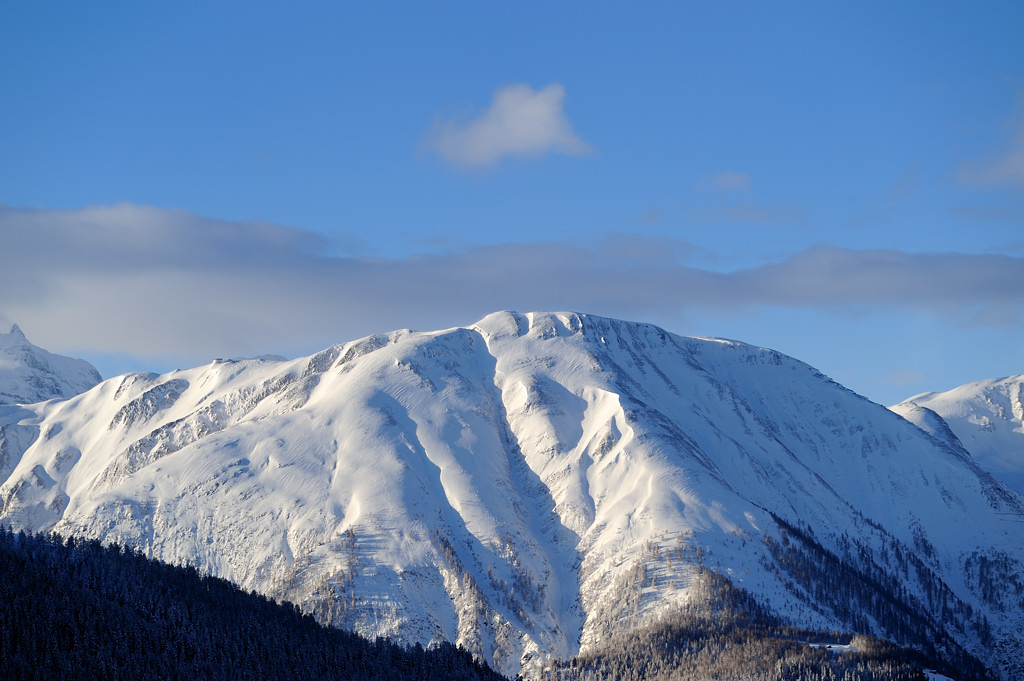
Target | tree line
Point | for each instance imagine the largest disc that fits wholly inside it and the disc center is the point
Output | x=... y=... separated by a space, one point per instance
x=76 y=609
x=724 y=633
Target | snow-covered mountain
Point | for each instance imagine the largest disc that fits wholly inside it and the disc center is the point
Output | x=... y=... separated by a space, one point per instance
x=30 y=374
x=987 y=417
x=532 y=484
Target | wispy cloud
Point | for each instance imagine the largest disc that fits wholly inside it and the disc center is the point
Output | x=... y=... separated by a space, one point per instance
x=1005 y=167
x=902 y=377
x=148 y=282
x=520 y=122
x=727 y=181
x=988 y=212
x=651 y=216
x=829 y=275
x=745 y=212
x=725 y=198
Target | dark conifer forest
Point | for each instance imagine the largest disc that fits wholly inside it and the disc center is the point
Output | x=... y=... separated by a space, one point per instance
x=726 y=635
x=75 y=609
x=72 y=609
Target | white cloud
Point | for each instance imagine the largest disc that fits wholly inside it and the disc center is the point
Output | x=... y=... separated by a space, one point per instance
x=153 y=283
x=520 y=122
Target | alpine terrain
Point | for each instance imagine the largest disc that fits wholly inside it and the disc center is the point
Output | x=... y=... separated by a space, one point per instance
x=534 y=486
x=987 y=417
x=30 y=374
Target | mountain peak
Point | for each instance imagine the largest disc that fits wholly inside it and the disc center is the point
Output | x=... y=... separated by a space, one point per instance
x=532 y=487
x=14 y=337
x=30 y=374
x=987 y=417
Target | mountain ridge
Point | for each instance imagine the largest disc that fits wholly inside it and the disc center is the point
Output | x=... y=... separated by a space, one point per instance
x=529 y=486
x=986 y=417
x=30 y=374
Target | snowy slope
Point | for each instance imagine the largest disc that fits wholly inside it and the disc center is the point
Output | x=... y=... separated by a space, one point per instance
x=30 y=374
x=529 y=485
x=987 y=417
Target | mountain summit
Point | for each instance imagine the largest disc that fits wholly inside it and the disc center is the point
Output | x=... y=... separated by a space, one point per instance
x=986 y=416
x=30 y=374
x=533 y=486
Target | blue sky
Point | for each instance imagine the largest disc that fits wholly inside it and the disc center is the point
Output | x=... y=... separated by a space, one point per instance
x=844 y=183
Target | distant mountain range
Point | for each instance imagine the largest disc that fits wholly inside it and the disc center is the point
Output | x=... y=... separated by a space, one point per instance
x=986 y=417
x=30 y=374
x=534 y=486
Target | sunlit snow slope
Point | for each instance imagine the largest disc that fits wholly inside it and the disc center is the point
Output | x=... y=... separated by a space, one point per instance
x=529 y=485
x=986 y=416
x=30 y=374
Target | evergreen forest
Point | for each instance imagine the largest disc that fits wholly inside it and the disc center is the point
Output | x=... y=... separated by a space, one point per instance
x=74 y=609
x=724 y=634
